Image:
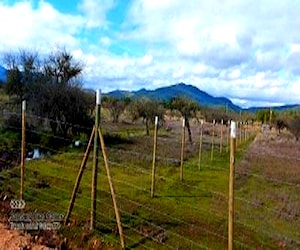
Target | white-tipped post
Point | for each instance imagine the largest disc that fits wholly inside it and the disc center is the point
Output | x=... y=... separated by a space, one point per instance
x=183 y=122
x=156 y=120
x=231 y=185
x=24 y=105
x=154 y=158
x=98 y=96
x=233 y=129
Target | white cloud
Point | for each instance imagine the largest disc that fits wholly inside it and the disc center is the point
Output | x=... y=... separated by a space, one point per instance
x=241 y=49
x=95 y=11
x=106 y=41
x=41 y=28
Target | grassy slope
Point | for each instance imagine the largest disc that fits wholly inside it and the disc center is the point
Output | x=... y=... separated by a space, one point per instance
x=192 y=214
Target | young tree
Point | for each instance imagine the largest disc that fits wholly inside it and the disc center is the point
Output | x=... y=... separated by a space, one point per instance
x=293 y=125
x=115 y=106
x=188 y=109
x=146 y=109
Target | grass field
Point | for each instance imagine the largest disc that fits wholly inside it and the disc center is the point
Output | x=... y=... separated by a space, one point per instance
x=183 y=215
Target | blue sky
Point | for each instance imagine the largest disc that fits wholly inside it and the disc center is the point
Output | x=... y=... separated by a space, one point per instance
x=245 y=50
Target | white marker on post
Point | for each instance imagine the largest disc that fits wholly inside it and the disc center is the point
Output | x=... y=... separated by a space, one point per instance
x=156 y=120
x=201 y=121
x=24 y=105
x=183 y=122
x=98 y=96
x=233 y=129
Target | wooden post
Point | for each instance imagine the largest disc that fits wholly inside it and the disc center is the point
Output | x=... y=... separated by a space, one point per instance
x=182 y=149
x=154 y=157
x=221 y=137
x=95 y=161
x=200 y=144
x=112 y=190
x=23 y=148
x=245 y=131
x=240 y=130
x=79 y=176
x=227 y=136
x=231 y=185
x=212 y=141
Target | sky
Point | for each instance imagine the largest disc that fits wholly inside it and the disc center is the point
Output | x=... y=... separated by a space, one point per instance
x=245 y=50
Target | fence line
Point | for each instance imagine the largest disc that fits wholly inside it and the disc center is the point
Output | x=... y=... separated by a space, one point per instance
x=145 y=171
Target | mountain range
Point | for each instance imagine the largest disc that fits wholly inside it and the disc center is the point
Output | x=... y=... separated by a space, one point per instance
x=191 y=92
x=180 y=89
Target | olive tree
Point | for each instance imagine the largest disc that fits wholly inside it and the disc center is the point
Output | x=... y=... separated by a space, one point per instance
x=188 y=109
x=146 y=109
x=115 y=106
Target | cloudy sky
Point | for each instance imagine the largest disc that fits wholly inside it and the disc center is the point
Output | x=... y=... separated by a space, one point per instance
x=248 y=51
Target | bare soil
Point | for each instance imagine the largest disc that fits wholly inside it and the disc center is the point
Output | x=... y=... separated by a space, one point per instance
x=13 y=239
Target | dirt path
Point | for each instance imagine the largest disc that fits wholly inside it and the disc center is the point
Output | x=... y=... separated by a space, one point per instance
x=13 y=240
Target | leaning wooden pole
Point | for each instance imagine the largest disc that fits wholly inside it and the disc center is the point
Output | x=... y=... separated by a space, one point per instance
x=112 y=190
x=231 y=185
x=23 y=147
x=95 y=162
x=182 y=149
x=154 y=158
x=79 y=176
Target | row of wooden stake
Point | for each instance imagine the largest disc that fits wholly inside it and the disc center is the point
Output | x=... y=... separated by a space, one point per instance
x=232 y=131
x=96 y=135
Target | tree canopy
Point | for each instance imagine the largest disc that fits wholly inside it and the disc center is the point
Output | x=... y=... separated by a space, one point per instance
x=51 y=88
x=188 y=109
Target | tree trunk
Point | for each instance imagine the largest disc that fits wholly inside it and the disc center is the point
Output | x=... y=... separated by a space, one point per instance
x=187 y=123
x=147 y=127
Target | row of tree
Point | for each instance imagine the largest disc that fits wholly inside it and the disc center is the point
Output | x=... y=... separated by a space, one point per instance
x=289 y=119
x=51 y=86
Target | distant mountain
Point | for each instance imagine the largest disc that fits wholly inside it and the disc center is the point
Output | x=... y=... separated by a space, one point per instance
x=3 y=74
x=180 y=89
x=276 y=108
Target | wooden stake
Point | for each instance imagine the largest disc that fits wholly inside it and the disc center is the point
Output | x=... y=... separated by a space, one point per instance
x=231 y=185
x=212 y=141
x=95 y=162
x=240 y=131
x=200 y=144
x=23 y=148
x=227 y=136
x=182 y=149
x=79 y=176
x=154 y=158
x=221 y=137
x=245 y=131
x=112 y=190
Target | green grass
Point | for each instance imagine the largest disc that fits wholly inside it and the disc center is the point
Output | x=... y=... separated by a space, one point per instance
x=185 y=215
